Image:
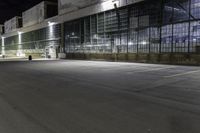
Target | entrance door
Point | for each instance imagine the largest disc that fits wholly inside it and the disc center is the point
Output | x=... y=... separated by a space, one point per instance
x=51 y=52
x=46 y=52
x=115 y=43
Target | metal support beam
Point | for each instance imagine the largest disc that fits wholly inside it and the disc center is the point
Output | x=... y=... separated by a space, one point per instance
x=119 y=23
x=172 y=19
x=189 y=32
x=190 y=15
x=62 y=43
x=161 y=21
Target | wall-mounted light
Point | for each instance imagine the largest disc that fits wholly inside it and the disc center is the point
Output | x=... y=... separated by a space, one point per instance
x=51 y=23
x=19 y=32
x=108 y=5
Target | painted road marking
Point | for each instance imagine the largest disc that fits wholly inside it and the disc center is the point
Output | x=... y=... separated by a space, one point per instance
x=150 y=70
x=182 y=74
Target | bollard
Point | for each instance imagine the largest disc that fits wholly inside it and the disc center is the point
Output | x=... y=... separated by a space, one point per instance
x=30 y=57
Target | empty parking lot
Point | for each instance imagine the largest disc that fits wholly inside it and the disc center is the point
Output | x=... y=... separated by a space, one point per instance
x=70 y=96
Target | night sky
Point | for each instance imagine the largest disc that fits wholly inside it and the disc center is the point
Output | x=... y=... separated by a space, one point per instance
x=11 y=8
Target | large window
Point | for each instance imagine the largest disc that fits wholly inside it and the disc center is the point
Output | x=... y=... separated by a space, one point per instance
x=181 y=10
x=133 y=31
x=11 y=43
x=73 y=37
x=167 y=39
x=143 y=41
x=146 y=27
x=154 y=39
x=195 y=8
x=194 y=35
x=180 y=37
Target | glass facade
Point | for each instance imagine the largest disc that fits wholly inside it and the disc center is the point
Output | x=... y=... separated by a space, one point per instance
x=33 y=42
x=152 y=26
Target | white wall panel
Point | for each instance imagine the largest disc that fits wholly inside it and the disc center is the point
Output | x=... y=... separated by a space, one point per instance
x=66 y=6
x=12 y=24
x=34 y=15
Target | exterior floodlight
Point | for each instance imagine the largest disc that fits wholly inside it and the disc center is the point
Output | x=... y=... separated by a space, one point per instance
x=51 y=23
x=108 y=4
x=19 y=32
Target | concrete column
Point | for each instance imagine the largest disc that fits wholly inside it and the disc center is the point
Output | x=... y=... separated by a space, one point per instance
x=20 y=52
x=3 y=46
x=62 y=53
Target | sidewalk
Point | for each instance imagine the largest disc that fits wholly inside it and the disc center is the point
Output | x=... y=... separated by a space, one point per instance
x=23 y=59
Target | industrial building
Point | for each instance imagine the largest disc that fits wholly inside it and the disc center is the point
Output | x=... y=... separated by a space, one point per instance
x=166 y=31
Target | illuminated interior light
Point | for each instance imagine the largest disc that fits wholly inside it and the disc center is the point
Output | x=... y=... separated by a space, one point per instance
x=74 y=37
x=144 y=43
x=130 y=43
x=95 y=36
x=197 y=4
x=97 y=45
x=194 y=39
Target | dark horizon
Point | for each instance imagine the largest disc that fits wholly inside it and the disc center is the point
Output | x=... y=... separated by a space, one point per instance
x=11 y=8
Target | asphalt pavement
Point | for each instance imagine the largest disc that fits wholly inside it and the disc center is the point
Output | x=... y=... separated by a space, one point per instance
x=72 y=96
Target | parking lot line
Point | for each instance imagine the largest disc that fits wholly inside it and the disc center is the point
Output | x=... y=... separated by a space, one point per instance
x=151 y=70
x=182 y=74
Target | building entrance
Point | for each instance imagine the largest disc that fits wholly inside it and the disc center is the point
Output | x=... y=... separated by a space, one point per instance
x=51 y=52
x=115 y=43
